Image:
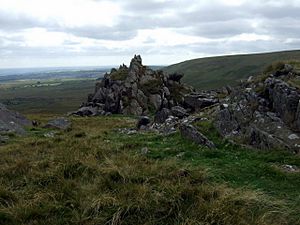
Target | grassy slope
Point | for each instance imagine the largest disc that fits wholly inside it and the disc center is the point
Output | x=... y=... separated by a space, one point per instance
x=53 y=99
x=215 y=72
x=95 y=175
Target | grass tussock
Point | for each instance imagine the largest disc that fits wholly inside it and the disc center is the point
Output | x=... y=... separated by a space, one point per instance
x=101 y=177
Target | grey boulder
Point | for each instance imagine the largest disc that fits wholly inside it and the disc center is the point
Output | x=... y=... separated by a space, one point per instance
x=12 y=122
x=59 y=123
x=189 y=132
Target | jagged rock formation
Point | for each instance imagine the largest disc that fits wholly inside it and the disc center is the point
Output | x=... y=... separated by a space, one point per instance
x=264 y=113
x=135 y=90
x=11 y=123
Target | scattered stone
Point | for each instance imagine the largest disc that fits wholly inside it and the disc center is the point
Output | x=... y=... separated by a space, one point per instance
x=50 y=134
x=143 y=121
x=59 y=123
x=180 y=155
x=144 y=151
x=3 y=139
x=179 y=112
x=293 y=136
x=89 y=111
x=127 y=131
x=35 y=123
x=290 y=168
x=191 y=133
x=162 y=115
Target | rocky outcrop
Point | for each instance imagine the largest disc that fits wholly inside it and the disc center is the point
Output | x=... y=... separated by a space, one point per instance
x=138 y=90
x=264 y=113
x=11 y=123
x=284 y=100
x=134 y=90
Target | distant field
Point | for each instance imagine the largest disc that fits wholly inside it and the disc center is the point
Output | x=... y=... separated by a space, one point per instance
x=47 y=96
x=215 y=72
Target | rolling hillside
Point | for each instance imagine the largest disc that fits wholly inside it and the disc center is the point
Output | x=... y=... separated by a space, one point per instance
x=214 y=72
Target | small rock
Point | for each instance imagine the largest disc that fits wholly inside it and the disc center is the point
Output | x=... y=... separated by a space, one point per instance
x=3 y=139
x=162 y=115
x=127 y=131
x=86 y=111
x=143 y=121
x=290 y=168
x=49 y=134
x=108 y=113
x=180 y=155
x=144 y=151
x=35 y=123
x=59 y=123
x=179 y=112
x=131 y=132
x=293 y=137
x=190 y=132
x=224 y=106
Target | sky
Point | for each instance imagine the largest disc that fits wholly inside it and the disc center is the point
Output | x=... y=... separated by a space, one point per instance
x=46 y=33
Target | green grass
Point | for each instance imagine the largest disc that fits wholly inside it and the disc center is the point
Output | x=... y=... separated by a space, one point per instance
x=96 y=175
x=61 y=96
x=237 y=166
x=216 y=72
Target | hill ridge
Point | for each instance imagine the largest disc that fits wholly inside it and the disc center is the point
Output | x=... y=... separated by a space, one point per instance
x=215 y=72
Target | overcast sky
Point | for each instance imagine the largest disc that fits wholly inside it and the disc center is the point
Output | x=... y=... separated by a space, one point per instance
x=42 y=33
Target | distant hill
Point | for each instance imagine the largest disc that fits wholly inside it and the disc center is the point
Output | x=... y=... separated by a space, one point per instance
x=214 y=72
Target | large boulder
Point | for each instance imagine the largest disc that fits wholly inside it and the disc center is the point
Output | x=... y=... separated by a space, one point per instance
x=198 y=101
x=189 y=132
x=12 y=122
x=179 y=112
x=59 y=123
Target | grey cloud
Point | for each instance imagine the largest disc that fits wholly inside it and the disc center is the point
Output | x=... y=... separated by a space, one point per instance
x=103 y=33
x=11 y=22
x=211 y=20
x=221 y=29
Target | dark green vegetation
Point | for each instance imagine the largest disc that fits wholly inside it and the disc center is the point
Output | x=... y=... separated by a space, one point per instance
x=48 y=96
x=95 y=175
x=216 y=72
